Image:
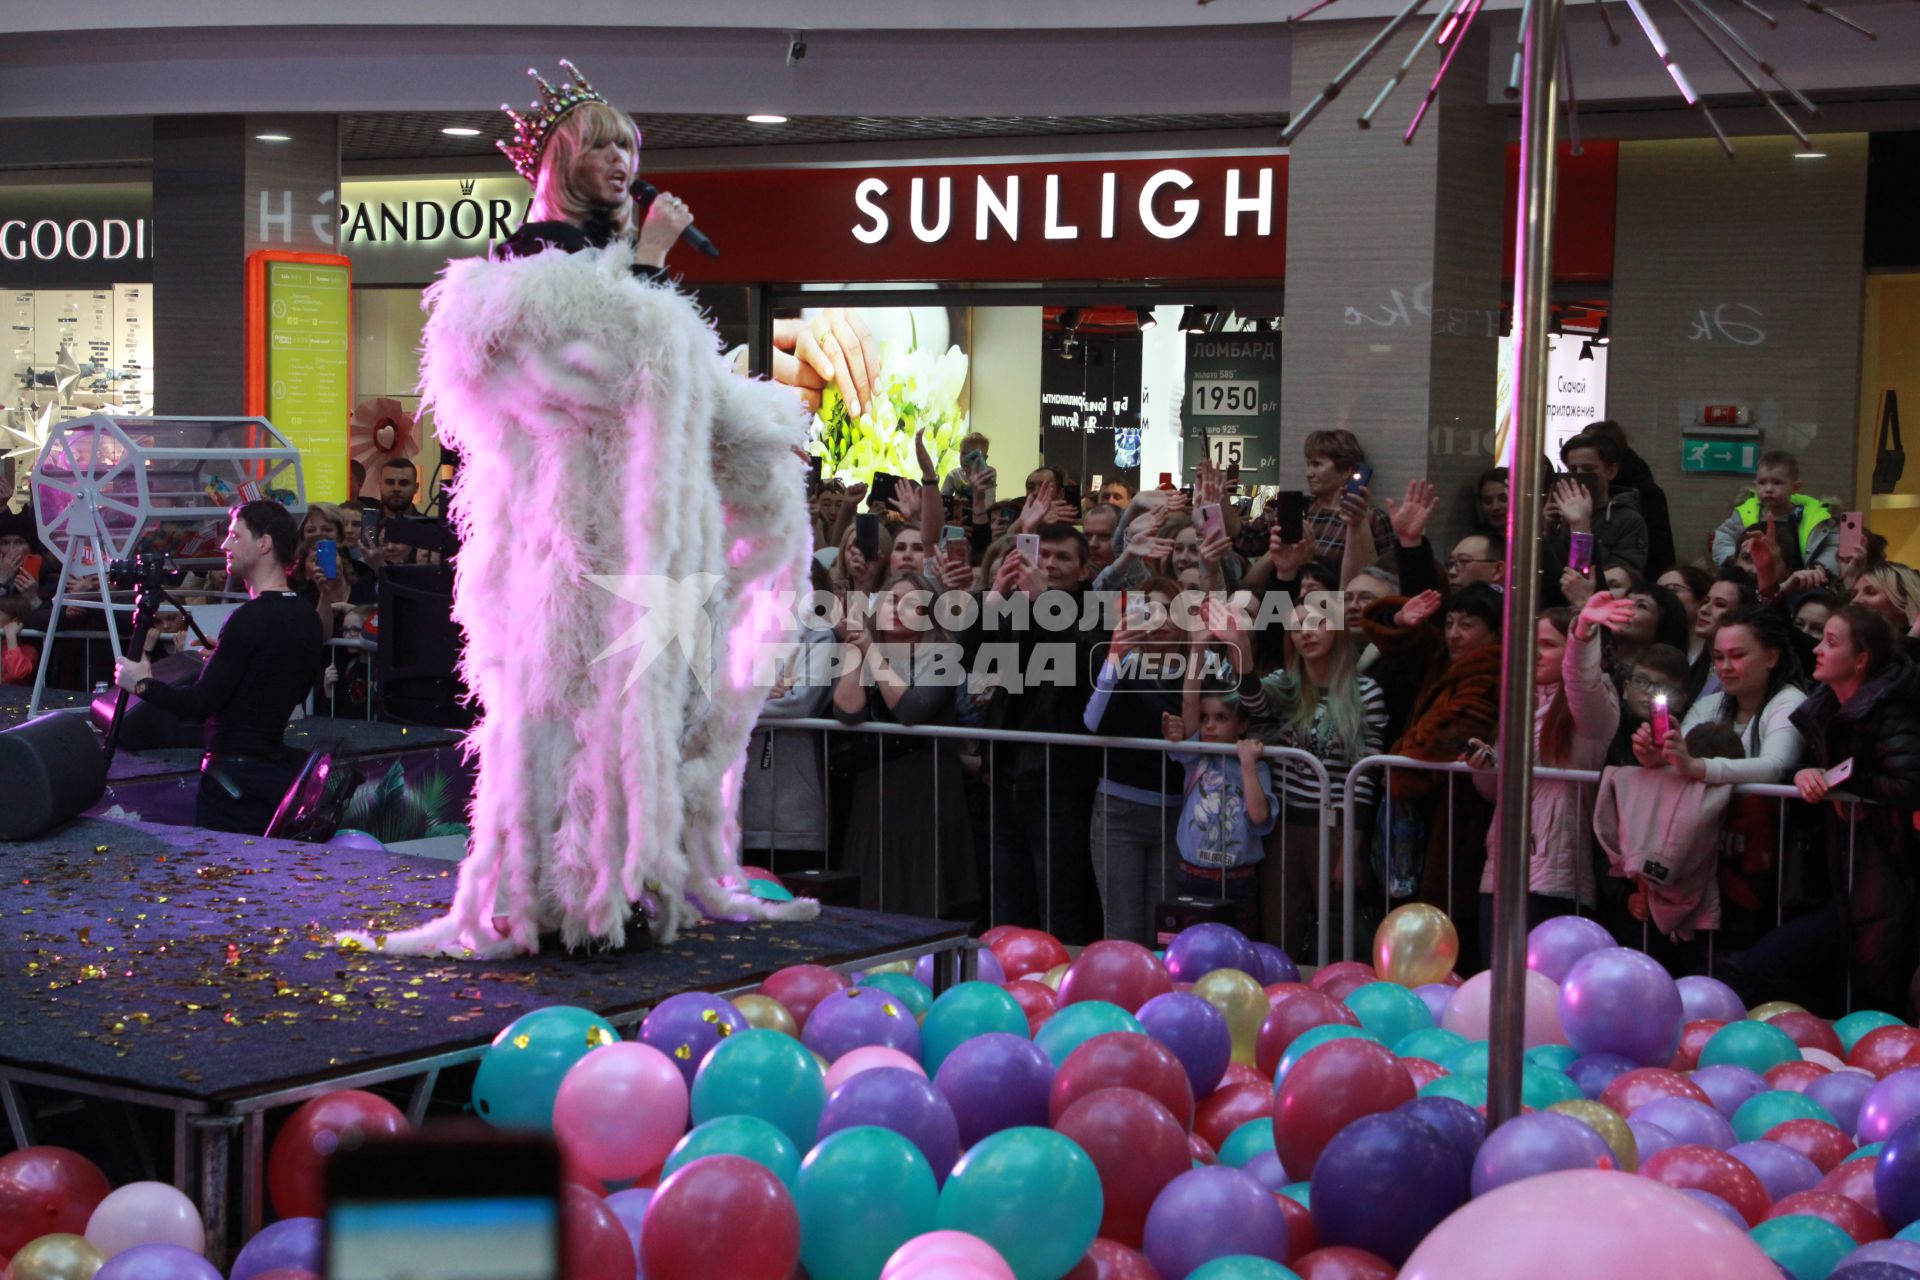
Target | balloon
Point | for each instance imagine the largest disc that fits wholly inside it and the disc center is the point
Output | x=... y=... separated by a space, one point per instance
x=1328 y=1089
x=1702 y=997
x=1694 y=1037
x=1716 y=1204
x=1650 y=1138
x=1808 y=1031
x=720 y=1216
x=993 y=1082
x=1554 y=1057
x=1036 y=999
x=1287 y=1020
x=855 y=1017
x=1117 y=972
x=1470 y=1011
x=1902 y=1253
x=1635 y=1089
x=1201 y=1152
x=1054 y=977
x=1764 y=1111
x=1436 y=996
x=762 y=1073
x=1541 y=1142
x=1872 y=1270
x=296 y=1167
x=1710 y=1170
x=1384 y=1182
x=1275 y=964
x=1859 y=1222
x=988 y=969
x=1854 y=1179
x=1389 y=1011
x=1806 y=1248
x=1884 y=1050
x=1794 y=1077
x=523 y=1067
x=767 y=1014
x=1432 y=1043
x=1593 y=1072
x=1213 y=1213
x=145 y=1213
x=1018 y=1177
x=915 y=994
x=1241 y=1073
x=1772 y=1009
x=968 y=1010
x=1241 y=1001
x=1781 y=1170
x=903 y=1101
x=1123 y=1060
x=1076 y=1024
x=1692 y=1122
x=1312 y=1039
x=58 y=1256
x=620 y=1111
x=46 y=1191
x=1570 y=1226
x=1246 y=1142
x=1468 y=1090
x=1757 y=1046
x=1620 y=1001
x=1541 y=1087
x=1200 y=949
x=1136 y=1145
x=1831 y=1061
x=158 y=1262
x=862 y=1194
x=1817 y=1140
x=1896 y=1176
x=1338 y=1262
x=1554 y=945
x=630 y=1206
x=1461 y=1125
x=292 y=1244
x=687 y=1026
x=1856 y=1024
x=738 y=1135
x=597 y=1246
x=799 y=988
x=1110 y=1260
x=1861 y=1153
x=954 y=1248
x=1612 y=1129
x=1888 y=1105
x=1343 y=974
x=1229 y=1107
x=1414 y=945
x=1025 y=951
x=1727 y=1087
x=867 y=1058
x=1197 y=1034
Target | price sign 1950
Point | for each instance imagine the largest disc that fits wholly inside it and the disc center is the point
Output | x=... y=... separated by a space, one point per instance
x=1222 y=398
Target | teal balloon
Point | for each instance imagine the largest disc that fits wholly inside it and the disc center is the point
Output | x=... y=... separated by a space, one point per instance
x=1389 y=1010
x=1471 y=1090
x=1241 y=1266
x=909 y=990
x=1909 y=1232
x=1431 y=1043
x=1858 y=1023
x=862 y=1193
x=1757 y=1046
x=523 y=1067
x=766 y=1074
x=1807 y=1247
x=1247 y=1141
x=739 y=1135
x=1298 y=1191
x=1861 y=1153
x=1541 y=1087
x=1758 y=1114
x=768 y=891
x=1554 y=1057
x=1312 y=1038
x=1014 y=1180
x=1469 y=1059
x=968 y=1010
x=1078 y=1023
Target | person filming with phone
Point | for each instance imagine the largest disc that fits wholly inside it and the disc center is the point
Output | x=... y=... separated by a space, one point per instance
x=1590 y=525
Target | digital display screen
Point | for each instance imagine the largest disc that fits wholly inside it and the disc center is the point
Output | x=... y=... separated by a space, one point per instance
x=505 y=1238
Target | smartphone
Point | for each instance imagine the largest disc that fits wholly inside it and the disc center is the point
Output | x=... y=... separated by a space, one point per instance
x=1028 y=545
x=1362 y=478
x=1212 y=523
x=952 y=533
x=1099 y=482
x=1588 y=481
x=1166 y=480
x=866 y=535
x=326 y=554
x=1580 y=553
x=1293 y=516
x=1853 y=535
x=1660 y=722
x=885 y=485
x=1073 y=496
x=972 y=460
x=458 y=1205
x=30 y=565
x=813 y=475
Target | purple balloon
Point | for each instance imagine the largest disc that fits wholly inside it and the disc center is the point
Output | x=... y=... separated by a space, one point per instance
x=996 y=1081
x=1275 y=965
x=291 y=1244
x=1694 y=1123
x=1620 y=1001
x=903 y=1101
x=1649 y=1137
x=1842 y=1093
x=1899 y=1253
x=1461 y=1125
x=1394 y=1158
x=1888 y=1105
x=1716 y=1204
x=1781 y=1169
x=686 y=1027
x=1195 y=1031
x=1435 y=996
x=158 y=1262
x=1214 y=1212
x=1727 y=1086
x=991 y=970
x=630 y=1206
x=1199 y=949
x=859 y=1016
x=1896 y=1178
x=1554 y=945
x=1709 y=998
x=1266 y=1166
x=1872 y=1270
x=1596 y=1071
x=1540 y=1142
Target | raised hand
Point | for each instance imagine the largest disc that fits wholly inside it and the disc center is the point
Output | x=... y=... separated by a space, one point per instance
x=1420 y=608
x=1354 y=507
x=1577 y=587
x=1037 y=510
x=929 y=471
x=1409 y=516
x=1576 y=508
x=1603 y=611
x=1287 y=557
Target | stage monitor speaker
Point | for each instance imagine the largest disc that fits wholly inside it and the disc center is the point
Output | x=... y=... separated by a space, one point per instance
x=419 y=647
x=54 y=769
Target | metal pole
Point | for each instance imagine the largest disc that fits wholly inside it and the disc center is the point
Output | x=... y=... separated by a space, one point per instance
x=1533 y=248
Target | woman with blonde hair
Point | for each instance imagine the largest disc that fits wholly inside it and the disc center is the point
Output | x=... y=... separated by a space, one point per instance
x=1891 y=590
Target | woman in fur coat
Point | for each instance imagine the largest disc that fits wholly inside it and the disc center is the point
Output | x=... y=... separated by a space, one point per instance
x=650 y=501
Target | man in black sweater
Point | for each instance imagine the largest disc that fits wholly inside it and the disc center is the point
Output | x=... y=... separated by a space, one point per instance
x=260 y=670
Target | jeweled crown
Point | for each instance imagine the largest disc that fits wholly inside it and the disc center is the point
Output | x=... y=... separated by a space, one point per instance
x=531 y=131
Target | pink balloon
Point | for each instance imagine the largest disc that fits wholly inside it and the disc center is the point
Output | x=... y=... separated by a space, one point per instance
x=958 y=1254
x=866 y=1058
x=1543 y=1011
x=1825 y=1059
x=1470 y=1010
x=619 y=1111
x=145 y=1213
x=1586 y=1224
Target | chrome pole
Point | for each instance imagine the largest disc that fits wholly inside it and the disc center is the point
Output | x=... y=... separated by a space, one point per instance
x=1532 y=274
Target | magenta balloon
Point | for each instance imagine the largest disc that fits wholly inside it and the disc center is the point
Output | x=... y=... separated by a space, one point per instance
x=1470 y=1010
x=920 y=1256
x=1709 y=998
x=1781 y=1169
x=1842 y=1093
x=1555 y=945
x=1888 y=1105
x=158 y=1262
x=620 y=1110
x=1727 y=1086
x=1694 y=1123
x=1529 y=1145
x=1620 y=1001
x=1586 y=1225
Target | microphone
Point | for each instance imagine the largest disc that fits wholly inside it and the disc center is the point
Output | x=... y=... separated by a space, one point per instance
x=645 y=192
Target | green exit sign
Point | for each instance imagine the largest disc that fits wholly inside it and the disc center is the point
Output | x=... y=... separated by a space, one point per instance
x=1719 y=454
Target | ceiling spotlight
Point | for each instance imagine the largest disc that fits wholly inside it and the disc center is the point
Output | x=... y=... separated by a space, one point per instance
x=460 y=131
x=273 y=137
x=1194 y=319
x=1600 y=334
x=1070 y=318
x=1586 y=349
x=1556 y=327
x=1143 y=316
x=765 y=117
x=796 y=47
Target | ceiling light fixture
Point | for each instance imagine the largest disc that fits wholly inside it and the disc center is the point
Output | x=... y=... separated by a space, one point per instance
x=1194 y=320
x=273 y=137
x=1586 y=349
x=766 y=117
x=1070 y=318
x=1809 y=155
x=1143 y=316
x=460 y=131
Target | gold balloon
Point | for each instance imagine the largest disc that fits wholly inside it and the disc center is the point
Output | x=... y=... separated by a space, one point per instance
x=56 y=1257
x=893 y=966
x=1773 y=1008
x=1416 y=944
x=1606 y=1122
x=1242 y=1001
x=1052 y=976
x=767 y=1013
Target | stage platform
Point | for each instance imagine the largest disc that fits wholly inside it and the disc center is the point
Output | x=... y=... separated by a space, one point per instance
x=195 y=972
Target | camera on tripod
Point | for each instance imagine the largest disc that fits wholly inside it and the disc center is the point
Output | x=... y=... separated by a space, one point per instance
x=149 y=571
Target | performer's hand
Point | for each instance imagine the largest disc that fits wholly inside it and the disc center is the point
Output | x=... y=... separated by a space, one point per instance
x=667 y=217
x=130 y=673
